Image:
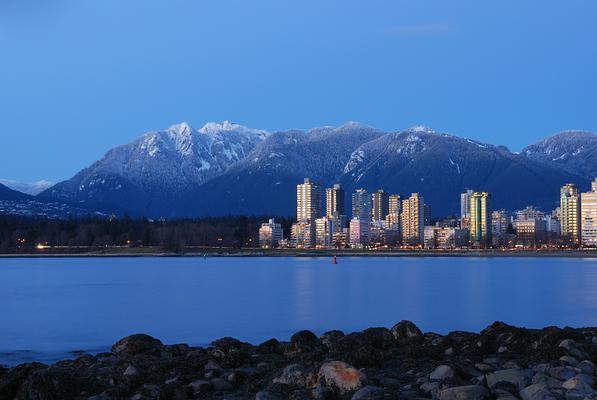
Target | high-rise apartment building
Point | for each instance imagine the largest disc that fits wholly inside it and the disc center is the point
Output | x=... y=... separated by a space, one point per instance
x=412 y=220
x=570 y=222
x=361 y=205
x=394 y=204
x=500 y=220
x=359 y=232
x=588 y=219
x=480 y=219
x=465 y=203
x=302 y=234
x=270 y=234
x=334 y=201
x=380 y=206
x=444 y=238
x=324 y=232
x=308 y=201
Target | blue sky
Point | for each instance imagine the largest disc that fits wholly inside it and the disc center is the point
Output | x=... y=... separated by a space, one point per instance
x=79 y=77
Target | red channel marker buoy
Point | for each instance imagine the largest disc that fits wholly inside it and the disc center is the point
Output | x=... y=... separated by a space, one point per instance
x=335 y=260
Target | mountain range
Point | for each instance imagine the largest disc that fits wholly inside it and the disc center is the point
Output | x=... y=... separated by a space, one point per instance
x=33 y=188
x=15 y=203
x=225 y=168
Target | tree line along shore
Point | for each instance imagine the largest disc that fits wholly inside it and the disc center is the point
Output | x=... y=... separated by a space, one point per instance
x=216 y=236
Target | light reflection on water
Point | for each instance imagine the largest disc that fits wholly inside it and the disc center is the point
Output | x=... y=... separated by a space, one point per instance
x=52 y=306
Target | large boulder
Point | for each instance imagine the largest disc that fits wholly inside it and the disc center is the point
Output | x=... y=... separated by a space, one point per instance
x=537 y=391
x=303 y=341
x=581 y=382
x=405 y=330
x=339 y=375
x=572 y=348
x=380 y=338
x=296 y=375
x=516 y=377
x=137 y=344
x=471 y=392
x=442 y=373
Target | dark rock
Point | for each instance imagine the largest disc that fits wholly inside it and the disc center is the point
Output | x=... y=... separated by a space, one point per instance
x=322 y=393
x=369 y=393
x=266 y=395
x=303 y=341
x=200 y=387
x=380 y=338
x=228 y=344
x=296 y=375
x=365 y=357
x=271 y=346
x=406 y=330
x=221 y=385
x=515 y=377
x=57 y=383
x=442 y=373
x=473 y=392
x=137 y=344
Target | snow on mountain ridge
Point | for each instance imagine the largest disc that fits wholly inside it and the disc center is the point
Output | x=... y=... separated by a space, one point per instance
x=32 y=188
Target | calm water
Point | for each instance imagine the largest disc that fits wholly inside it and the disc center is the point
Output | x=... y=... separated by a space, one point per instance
x=49 y=307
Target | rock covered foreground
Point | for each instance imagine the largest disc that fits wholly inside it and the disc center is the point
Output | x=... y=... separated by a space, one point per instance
x=502 y=362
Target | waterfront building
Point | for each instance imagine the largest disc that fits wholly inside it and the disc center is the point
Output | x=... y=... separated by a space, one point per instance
x=393 y=226
x=429 y=237
x=334 y=201
x=270 y=234
x=500 y=220
x=380 y=205
x=302 y=235
x=530 y=232
x=529 y=212
x=394 y=204
x=444 y=238
x=358 y=232
x=340 y=238
x=594 y=185
x=361 y=205
x=570 y=222
x=465 y=203
x=308 y=201
x=412 y=220
x=324 y=232
x=480 y=219
x=588 y=218
x=552 y=226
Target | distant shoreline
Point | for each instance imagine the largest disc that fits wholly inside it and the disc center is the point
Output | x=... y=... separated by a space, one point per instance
x=217 y=252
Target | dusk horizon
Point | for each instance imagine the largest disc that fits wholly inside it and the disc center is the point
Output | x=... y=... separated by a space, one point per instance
x=86 y=77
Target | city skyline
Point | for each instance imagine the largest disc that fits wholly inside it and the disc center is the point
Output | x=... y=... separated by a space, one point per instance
x=383 y=219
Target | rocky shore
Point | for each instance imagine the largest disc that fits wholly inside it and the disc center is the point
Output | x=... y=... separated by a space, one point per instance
x=501 y=362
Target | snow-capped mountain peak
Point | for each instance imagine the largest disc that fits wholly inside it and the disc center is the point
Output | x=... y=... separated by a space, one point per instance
x=180 y=129
x=420 y=129
x=213 y=128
